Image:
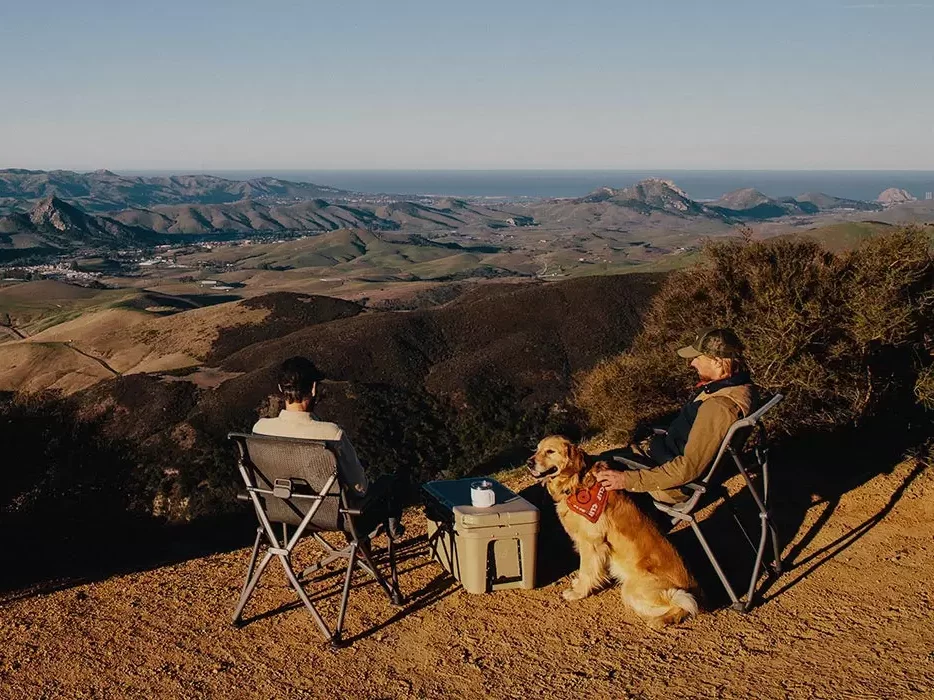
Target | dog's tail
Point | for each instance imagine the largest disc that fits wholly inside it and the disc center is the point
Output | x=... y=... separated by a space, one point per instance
x=680 y=598
x=682 y=604
x=663 y=606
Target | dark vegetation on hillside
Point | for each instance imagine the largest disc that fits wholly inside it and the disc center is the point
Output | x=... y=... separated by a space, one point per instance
x=288 y=312
x=443 y=391
x=846 y=337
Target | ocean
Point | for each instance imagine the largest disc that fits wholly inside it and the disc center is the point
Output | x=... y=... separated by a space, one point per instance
x=699 y=184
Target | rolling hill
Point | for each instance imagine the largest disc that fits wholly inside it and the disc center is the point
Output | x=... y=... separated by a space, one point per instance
x=423 y=382
x=250 y=216
x=826 y=202
x=103 y=190
x=55 y=224
x=751 y=204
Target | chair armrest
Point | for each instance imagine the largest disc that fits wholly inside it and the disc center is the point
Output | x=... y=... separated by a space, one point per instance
x=632 y=464
x=379 y=494
x=659 y=431
x=700 y=488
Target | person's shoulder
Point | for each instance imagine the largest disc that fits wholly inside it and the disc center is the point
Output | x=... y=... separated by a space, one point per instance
x=327 y=430
x=740 y=396
x=262 y=424
x=308 y=430
x=722 y=404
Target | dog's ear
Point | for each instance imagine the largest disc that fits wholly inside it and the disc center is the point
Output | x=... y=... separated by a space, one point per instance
x=576 y=460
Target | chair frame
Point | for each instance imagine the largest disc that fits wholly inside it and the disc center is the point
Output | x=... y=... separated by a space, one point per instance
x=733 y=444
x=356 y=552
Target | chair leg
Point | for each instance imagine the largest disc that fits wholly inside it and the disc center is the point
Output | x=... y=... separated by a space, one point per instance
x=293 y=579
x=248 y=588
x=345 y=594
x=252 y=564
x=397 y=598
x=757 y=567
x=715 y=563
x=368 y=565
x=776 y=550
x=324 y=561
x=739 y=524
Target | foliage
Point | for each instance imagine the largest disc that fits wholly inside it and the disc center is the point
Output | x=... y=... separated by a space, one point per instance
x=842 y=336
x=66 y=469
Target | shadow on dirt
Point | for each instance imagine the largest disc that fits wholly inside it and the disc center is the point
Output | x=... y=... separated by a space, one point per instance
x=411 y=555
x=54 y=555
x=811 y=471
x=556 y=555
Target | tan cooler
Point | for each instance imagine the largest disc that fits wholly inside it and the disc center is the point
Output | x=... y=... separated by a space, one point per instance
x=486 y=549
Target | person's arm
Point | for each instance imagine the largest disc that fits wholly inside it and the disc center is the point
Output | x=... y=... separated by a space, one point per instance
x=353 y=471
x=713 y=421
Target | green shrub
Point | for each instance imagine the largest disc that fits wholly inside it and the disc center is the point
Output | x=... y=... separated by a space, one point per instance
x=842 y=336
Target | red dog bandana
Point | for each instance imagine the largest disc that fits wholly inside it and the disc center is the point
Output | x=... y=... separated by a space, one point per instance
x=589 y=502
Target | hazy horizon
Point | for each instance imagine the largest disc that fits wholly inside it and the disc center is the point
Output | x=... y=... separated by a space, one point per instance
x=700 y=184
x=210 y=85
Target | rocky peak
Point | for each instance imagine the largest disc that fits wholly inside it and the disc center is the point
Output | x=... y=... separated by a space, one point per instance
x=656 y=193
x=649 y=194
x=58 y=214
x=745 y=198
x=895 y=195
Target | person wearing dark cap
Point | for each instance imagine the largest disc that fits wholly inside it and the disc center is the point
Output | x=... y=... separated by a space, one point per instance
x=298 y=384
x=725 y=393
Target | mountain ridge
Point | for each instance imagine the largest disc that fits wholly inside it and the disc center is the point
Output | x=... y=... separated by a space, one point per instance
x=103 y=190
x=55 y=223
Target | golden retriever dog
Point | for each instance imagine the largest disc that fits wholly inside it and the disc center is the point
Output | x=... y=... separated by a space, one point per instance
x=614 y=538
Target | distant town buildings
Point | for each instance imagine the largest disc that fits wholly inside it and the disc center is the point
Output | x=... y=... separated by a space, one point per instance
x=58 y=271
x=929 y=195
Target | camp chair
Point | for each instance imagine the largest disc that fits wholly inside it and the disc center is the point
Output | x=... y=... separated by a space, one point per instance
x=746 y=430
x=296 y=482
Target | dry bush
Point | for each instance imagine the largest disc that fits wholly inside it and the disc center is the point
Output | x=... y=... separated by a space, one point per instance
x=838 y=335
x=623 y=391
x=924 y=387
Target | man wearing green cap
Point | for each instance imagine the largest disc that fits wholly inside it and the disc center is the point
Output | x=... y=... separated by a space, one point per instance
x=681 y=455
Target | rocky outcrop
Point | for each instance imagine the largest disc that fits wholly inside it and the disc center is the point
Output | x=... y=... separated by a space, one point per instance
x=653 y=194
x=895 y=195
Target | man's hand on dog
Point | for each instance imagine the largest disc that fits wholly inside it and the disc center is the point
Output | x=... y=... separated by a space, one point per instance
x=611 y=479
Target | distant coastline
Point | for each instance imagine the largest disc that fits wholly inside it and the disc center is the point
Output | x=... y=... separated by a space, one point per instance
x=699 y=184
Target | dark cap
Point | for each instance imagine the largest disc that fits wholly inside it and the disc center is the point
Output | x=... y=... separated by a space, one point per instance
x=714 y=342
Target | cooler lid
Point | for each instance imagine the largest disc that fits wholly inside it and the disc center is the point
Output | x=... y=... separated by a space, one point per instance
x=509 y=509
x=515 y=511
x=456 y=492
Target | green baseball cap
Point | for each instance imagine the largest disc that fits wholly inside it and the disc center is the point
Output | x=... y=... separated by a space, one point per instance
x=714 y=342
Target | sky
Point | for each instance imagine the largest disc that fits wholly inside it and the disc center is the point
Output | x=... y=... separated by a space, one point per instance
x=412 y=84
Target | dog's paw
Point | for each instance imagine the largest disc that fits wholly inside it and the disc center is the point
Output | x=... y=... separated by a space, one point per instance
x=573 y=594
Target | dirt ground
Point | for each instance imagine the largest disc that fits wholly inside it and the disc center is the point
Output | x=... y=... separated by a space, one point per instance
x=851 y=618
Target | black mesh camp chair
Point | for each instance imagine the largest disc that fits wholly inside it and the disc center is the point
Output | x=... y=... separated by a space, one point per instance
x=746 y=437
x=296 y=483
